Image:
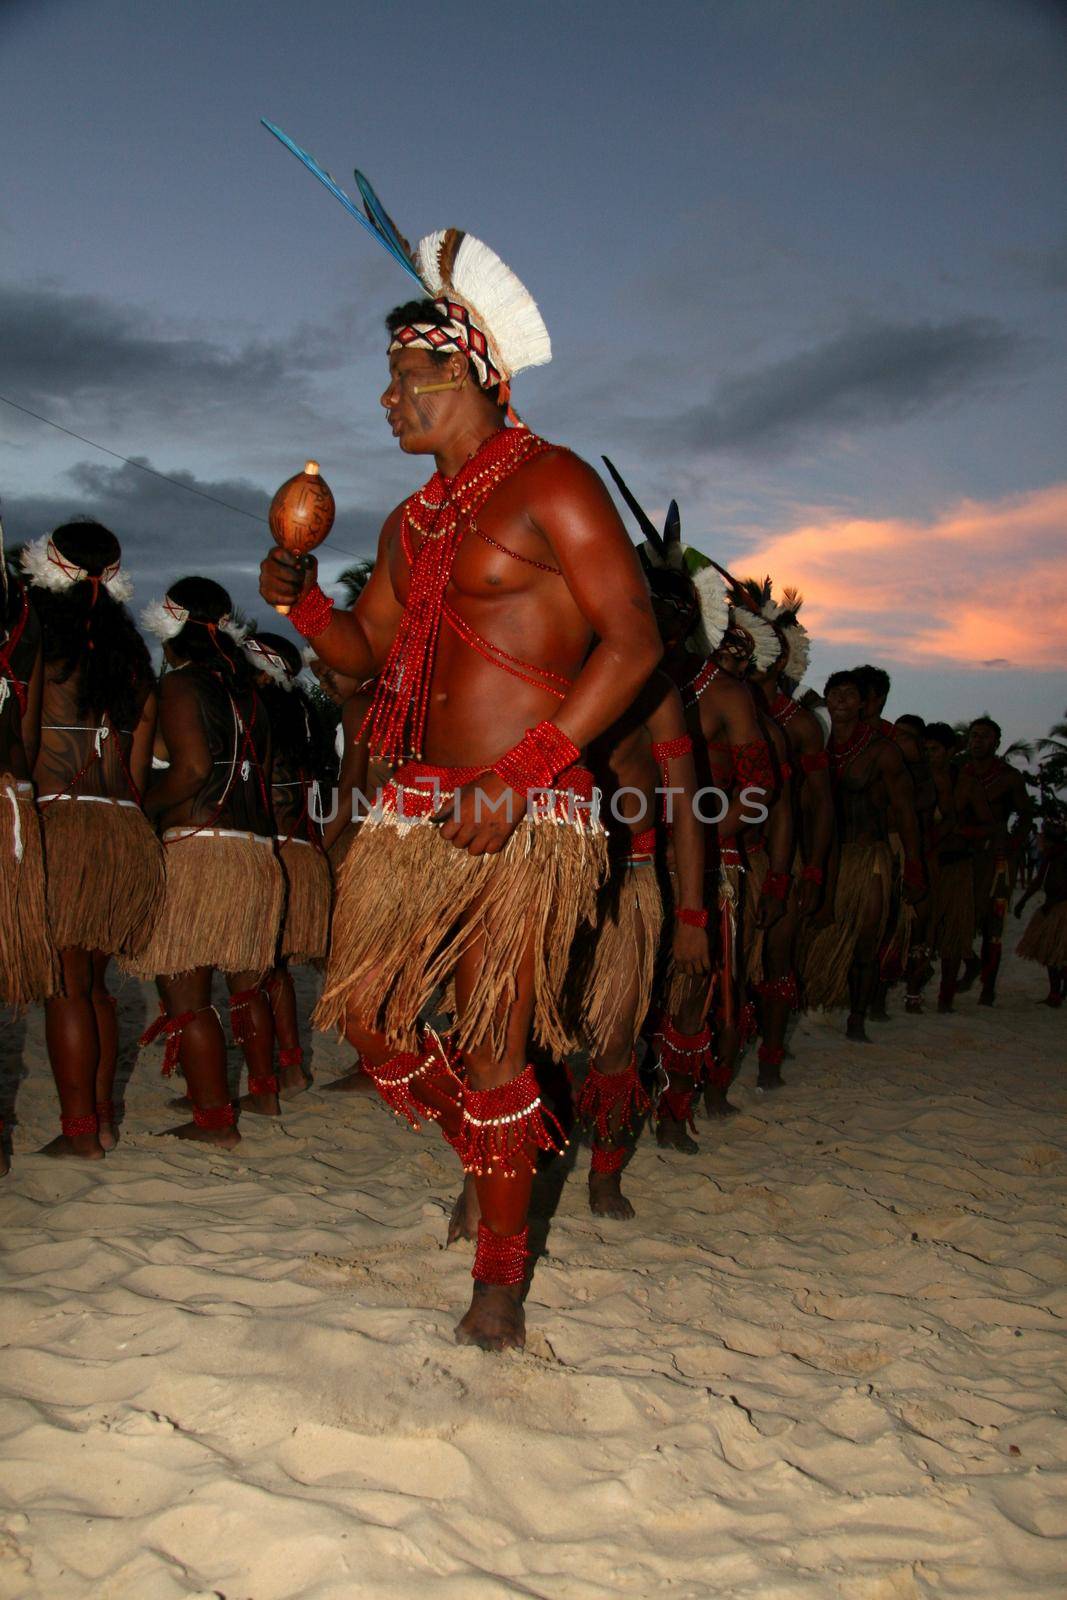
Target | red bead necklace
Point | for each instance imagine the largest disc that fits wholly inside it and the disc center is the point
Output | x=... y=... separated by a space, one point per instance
x=842 y=756
x=396 y=722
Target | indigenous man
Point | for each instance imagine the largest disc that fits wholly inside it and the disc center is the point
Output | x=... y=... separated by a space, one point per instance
x=104 y=867
x=910 y=736
x=224 y=894
x=962 y=818
x=900 y=922
x=996 y=864
x=869 y=780
x=649 y=751
x=813 y=818
x=707 y=661
x=508 y=625
x=296 y=760
x=875 y=684
x=1045 y=939
x=27 y=963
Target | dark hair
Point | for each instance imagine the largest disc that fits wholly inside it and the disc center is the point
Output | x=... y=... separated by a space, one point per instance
x=201 y=640
x=429 y=311
x=872 y=680
x=913 y=722
x=987 y=722
x=837 y=680
x=297 y=733
x=940 y=733
x=84 y=628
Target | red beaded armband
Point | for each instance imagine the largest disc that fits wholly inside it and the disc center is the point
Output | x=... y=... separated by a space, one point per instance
x=692 y=919
x=312 y=613
x=776 y=886
x=812 y=874
x=539 y=757
x=665 y=750
x=815 y=761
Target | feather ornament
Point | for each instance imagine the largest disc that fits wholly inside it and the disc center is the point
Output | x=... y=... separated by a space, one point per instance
x=46 y=568
x=164 y=619
x=499 y=303
x=714 y=610
x=262 y=659
x=767 y=646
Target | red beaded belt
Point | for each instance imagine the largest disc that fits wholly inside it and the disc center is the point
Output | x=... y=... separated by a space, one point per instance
x=426 y=788
x=642 y=846
x=730 y=856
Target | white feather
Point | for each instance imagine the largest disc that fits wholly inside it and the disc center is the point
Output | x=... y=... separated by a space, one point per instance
x=163 y=623
x=798 y=643
x=263 y=659
x=120 y=588
x=714 y=611
x=41 y=571
x=499 y=303
x=766 y=644
x=238 y=631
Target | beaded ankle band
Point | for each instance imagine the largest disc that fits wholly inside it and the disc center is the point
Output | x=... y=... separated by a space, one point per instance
x=214 y=1118
x=781 y=989
x=606 y=1161
x=74 y=1125
x=291 y=1058
x=267 y=1084
x=771 y=1055
x=500 y=1258
x=611 y=1101
x=503 y=1128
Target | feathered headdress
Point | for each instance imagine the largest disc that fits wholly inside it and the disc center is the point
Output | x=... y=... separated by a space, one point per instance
x=783 y=614
x=263 y=659
x=490 y=315
x=166 y=618
x=664 y=553
x=747 y=598
x=47 y=568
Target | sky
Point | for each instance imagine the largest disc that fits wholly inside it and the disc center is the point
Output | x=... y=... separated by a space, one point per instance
x=804 y=264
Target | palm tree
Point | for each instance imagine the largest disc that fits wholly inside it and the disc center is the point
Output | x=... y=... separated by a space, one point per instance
x=354 y=580
x=1052 y=768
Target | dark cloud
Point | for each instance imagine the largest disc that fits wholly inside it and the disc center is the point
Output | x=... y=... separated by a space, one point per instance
x=165 y=531
x=874 y=372
x=997 y=661
x=59 y=350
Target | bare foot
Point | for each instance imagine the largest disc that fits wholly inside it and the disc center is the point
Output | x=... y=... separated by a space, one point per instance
x=606 y=1198
x=987 y=997
x=913 y=1005
x=495 y=1320
x=466 y=1214
x=716 y=1103
x=971 y=968
x=260 y=1105
x=108 y=1134
x=769 y=1077
x=674 y=1135
x=855 y=1031
x=355 y=1082
x=293 y=1081
x=225 y=1138
x=82 y=1147
x=945 y=1008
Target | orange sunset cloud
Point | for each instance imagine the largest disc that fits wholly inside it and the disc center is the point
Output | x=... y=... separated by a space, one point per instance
x=983 y=583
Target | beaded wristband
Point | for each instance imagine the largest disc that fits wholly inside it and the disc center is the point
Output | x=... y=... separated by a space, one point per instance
x=665 y=750
x=539 y=757
x=312 y=613
x=776 y=886
x=692 y=919
x=812 y=874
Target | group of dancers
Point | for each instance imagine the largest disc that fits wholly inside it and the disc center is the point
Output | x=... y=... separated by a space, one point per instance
x=582 y=812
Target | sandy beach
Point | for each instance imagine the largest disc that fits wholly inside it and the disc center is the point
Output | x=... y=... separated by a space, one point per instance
x=827 y=1360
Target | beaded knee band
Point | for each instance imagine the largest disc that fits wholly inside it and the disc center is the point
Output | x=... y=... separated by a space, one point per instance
x=685 y=1053
x=394 y=1078
x=781 y=989
x=611 y=1101
x=503 y=1128
x=500 y=1259
x=240 y=1022
x=172 y=1027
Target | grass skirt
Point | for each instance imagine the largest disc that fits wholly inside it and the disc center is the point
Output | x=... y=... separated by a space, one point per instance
x=950 y=917
x=615 y=962
x=27 y=959
x=104 y=874
x=308 y=892
x=409 y=903
x=830 y=951
x=1045 y=939
x=222 y=907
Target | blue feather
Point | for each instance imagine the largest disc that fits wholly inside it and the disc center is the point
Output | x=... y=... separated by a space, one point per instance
x=381 y=219
x=394 y=249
